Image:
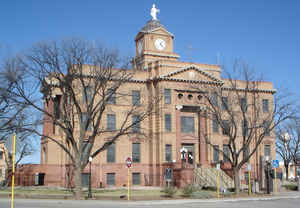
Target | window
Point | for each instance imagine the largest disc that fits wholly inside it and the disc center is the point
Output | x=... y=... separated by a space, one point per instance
x=226 y=155
x=0 y=172
x=246 y=152
x=167 y=96
x=245 y=128
x=267 y=128
x=111 y=96
x=168 y=152
x=87 y=94
x=111 y=122
x=136 y=152
x=216 y=153
x=224 y=103
x=136 y=178
x=136 y=128
x=57 y=107
x=225 y=127
x=168 y=124
x=265 y=104
x=267 y=150
x=187 y=124
x=215 y=125
x=110 y=154
x=1 y=155
x=110 y=179
x=84 y=121
x=136 y=97
x=243 y=104
x=214 y=99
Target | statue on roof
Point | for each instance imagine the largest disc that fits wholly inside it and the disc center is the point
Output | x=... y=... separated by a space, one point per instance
x=153 y=12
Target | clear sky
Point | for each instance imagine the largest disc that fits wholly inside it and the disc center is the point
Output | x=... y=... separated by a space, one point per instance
x=265 y=33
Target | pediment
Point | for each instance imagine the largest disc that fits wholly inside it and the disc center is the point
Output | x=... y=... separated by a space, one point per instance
x=191 y=73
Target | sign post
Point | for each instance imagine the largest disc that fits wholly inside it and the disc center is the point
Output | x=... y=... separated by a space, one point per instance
x=128 y=164
x=13 y=172
x=275 y=165
x=218 y=179
x=249 y=178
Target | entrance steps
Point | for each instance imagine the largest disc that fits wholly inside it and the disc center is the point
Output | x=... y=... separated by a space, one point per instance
x=207 y=176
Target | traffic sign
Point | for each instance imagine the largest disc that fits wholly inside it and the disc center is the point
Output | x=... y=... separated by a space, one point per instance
x=275 y=163
x=218 y=166
x=128 y=162
x=249 y=167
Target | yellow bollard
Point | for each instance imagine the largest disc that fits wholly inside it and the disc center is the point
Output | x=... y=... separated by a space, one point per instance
x=128 y=192
x=12 y=205
x=218 y=184
x=249 y=182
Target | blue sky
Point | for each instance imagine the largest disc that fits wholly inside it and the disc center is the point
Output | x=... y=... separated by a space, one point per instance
x=265 y=33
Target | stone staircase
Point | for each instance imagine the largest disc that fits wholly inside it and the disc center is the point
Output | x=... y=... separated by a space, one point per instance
x=204 y=177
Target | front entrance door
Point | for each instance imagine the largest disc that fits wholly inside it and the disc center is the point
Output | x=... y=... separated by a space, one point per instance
x=189 y=156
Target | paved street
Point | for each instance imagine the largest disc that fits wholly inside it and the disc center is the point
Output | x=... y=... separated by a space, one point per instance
x=276 y=202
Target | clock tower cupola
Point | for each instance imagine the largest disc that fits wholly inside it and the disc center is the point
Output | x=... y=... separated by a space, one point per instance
x=153 y=42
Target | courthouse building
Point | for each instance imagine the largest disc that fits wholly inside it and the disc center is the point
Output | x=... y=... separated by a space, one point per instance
x=180 y=123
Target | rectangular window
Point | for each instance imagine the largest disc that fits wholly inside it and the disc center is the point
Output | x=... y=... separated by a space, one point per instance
x=136 y=97
x=246 y=152
x=245 y=128
x=243 y=104
x=215 y=125
x=214 y=99
x=0 y=172
x=224 y=103
x=84 y=122
x=187 y=124
x=267 y=128
x=168 y=126
x=225 y=127
x=136 y=179
x=265 y=104
x=136 y=128
x=1 y=155
x=168 y=152
x=57 y=112
x=111 y=153
x=226 y=155
x=110 y=179
x=111 y=122
x=216 y=153
x=87 y=94
x=111 y=96
x=136 y=152
x=267 y=150
x=167 y=94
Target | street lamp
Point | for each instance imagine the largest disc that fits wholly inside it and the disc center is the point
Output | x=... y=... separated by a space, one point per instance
x=90 y=188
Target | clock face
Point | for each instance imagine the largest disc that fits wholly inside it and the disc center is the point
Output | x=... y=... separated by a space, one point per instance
x=160 y=44
x=140 y=46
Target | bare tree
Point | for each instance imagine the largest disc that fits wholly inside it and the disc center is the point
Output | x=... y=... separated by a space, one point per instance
x=288 y=142
x=246 y=112
x=82 y=81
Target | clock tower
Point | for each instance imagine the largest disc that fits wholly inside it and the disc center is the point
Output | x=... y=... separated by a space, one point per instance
x=153 y=42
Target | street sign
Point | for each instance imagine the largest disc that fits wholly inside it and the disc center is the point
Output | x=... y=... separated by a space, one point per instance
x=275 y=163
x=249 y=167
x=128 y=162
x=218 y=166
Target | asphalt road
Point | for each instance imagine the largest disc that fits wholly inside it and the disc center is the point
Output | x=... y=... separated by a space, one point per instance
x=35 y=203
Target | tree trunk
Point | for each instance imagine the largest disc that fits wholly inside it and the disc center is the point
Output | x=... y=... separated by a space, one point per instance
x=236 y=177
x=78 y=184
x=286 y=172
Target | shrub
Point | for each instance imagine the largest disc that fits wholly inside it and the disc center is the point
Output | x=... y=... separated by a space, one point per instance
x=210 y=188
x=188 y=190
x=291 y=187
x=169 y=191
